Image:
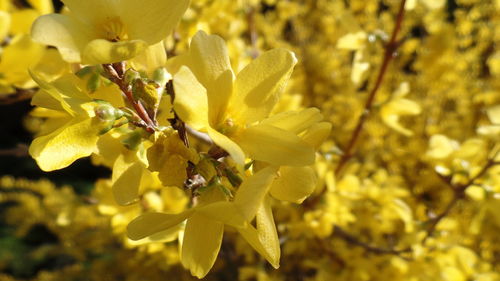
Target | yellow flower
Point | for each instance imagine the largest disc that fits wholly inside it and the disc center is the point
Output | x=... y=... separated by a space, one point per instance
x=232 y=110
x=398 y=106
x=205 y=222
x=72 y=130
x=105 y=31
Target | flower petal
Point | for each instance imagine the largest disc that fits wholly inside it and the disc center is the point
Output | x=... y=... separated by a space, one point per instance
x=295 y=121
x=224 y=212
x=4 y=24
x=294 y=184
x=252 y=191
x=251 y=235
x=228 y=145
x=151 y=20
x=101 y=51
x=62 y=32
x=148 y=224
x=190 y=101
x=42 y=6
x=209 y=61
x=62 y=147
x=275 y=146
x=201 y=244
x=93 y=12
x=258 y=85
x=268 y=235
x=317 y=134
x=154 y=57
x=127 y=178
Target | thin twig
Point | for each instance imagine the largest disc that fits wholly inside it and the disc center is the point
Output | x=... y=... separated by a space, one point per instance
x=351 y=239
x=389 y=54
x=21 y=150
x=458 y=194
x=390 y=50
x=18 y=96
x=115 y=74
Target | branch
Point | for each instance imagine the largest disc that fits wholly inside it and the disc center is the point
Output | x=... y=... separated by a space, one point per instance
x=18 y=96
x=115 y=74
x=338 y=231
x=21 y=150
x=390 y=50
x=458 y=194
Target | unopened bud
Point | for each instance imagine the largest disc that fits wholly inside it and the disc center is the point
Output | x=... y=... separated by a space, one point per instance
x=105 y=112
x=131 y=75
x=161 y=76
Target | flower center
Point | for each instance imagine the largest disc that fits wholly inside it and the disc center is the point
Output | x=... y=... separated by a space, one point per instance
x=227 y=127
x=114 y=30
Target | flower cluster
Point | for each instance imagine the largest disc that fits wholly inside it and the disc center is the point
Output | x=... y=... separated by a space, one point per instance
x=189 y=122
x=212 y=140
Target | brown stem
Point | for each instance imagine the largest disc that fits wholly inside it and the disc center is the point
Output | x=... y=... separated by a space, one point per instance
x=115 y=74
x=18 y=96
x=21 y=150
x=351 y=239
x=458 y=194
x=348 y=152
x=390 y=50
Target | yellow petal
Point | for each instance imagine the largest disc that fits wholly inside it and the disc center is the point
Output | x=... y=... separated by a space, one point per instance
x=152 y=58
x=63 y=32
x=390 y=113
x=294 y=184
x=173 y=171
x=101 y=51
x=275 y=146
x=352 y=41
x=258 y=85
x=151 y=20
x=93 y=12
x=224 y=212
x=494 y=114
x=65 y=145
x=4 y=24
x=190 y=101
x=209 y=61
x=251 y=235
x=201 y=244
x=228 y=145
x=51 y=65
x=22 y=20
x=441 y=147
x=42 y=6
x=128 y=178
x=317 y=134
x=434 y=4
x=148 y=224
x=268 y=236
x=252 y=191
x=295 y=121
x=42 y=99
x=17 y=58
x=66 y=90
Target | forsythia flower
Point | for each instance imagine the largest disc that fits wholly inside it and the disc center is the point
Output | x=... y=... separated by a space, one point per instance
x=205 y=222
x=20 y=53
x=108 y=31
x=233 y=110
x=73 y=129
x=398 y=106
